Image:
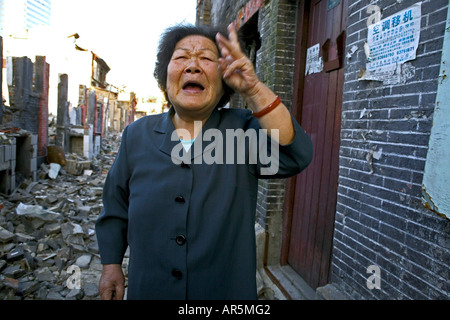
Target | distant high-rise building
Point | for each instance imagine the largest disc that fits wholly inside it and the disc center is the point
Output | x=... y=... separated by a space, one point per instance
x=19 y=15
x=37 y=12
x=2 y=16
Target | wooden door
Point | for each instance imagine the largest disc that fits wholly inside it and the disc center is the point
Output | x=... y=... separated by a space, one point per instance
x=311 y=196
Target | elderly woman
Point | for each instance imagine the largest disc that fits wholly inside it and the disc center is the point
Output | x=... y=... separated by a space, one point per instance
x=190 y=225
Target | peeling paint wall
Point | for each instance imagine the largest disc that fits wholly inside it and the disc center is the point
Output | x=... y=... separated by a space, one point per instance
x=436 y=181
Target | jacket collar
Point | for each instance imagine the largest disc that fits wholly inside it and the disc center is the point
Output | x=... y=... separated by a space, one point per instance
x=166 y=128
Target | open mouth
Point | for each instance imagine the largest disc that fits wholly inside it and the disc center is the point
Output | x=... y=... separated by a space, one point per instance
x=193 y=86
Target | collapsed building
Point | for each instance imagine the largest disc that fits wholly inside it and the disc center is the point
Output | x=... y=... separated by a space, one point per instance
x=28 y=138
x=52 y=171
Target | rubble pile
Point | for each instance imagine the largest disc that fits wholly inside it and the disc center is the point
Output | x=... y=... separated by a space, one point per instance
x=48 y=246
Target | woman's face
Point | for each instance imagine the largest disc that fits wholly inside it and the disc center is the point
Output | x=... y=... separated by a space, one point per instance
x=194 y=81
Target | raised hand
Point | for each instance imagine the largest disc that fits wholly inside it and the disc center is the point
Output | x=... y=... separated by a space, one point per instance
x=237 y=69
x=238 y=73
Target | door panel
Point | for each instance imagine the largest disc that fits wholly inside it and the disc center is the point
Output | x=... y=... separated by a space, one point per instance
x=315 y=190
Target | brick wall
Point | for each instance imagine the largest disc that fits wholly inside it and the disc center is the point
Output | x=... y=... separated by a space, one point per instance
x=23 y=98
x=42 y=75
x=380 y=219
x=204 y=12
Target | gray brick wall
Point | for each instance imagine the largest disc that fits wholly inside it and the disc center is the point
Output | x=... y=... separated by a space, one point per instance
x=275 y=67
x=380 y=219
x=24 y=99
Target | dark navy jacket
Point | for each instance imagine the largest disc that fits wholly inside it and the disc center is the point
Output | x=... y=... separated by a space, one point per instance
x=190 y=226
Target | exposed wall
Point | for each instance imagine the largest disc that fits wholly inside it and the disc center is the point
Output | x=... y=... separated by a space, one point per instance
x=275 y=67
x=380 y=218
x=24 y=99
x=18 y=159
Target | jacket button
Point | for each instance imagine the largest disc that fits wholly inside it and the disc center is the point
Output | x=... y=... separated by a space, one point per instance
x=180 y=199
x=177 y=274
x=180 y=240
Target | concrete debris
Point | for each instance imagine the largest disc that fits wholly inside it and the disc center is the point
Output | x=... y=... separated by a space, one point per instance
x=48 y=246
x=54 y=170
x=35 y=211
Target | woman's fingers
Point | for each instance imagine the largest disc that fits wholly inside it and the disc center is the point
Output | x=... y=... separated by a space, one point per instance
x=230 y=45
x=223 y=43
x=237 y=69
x=232 y=55
x=235 y=66
x=232 y=35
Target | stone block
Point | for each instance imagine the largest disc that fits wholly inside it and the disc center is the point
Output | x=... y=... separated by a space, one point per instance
x=5 y=235
x=33 y=164
x=2 y=153
x=34 y=139
x=8 y=153
x=4 y=165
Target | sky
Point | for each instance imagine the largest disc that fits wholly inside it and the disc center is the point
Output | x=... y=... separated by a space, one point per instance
x=124 y=33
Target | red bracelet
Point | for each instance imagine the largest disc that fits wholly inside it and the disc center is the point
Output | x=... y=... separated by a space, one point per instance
x=268 y=109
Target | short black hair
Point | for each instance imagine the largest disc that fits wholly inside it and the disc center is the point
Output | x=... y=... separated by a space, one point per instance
x=169 y=38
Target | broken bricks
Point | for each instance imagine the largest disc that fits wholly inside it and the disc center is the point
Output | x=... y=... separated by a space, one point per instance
x=47 y=227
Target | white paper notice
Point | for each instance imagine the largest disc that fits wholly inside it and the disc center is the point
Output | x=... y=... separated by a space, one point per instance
x=391 y=42
x=314 y=63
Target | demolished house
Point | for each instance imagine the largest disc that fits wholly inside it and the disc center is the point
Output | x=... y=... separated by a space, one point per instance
x=48 y=247
x=52 y=172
